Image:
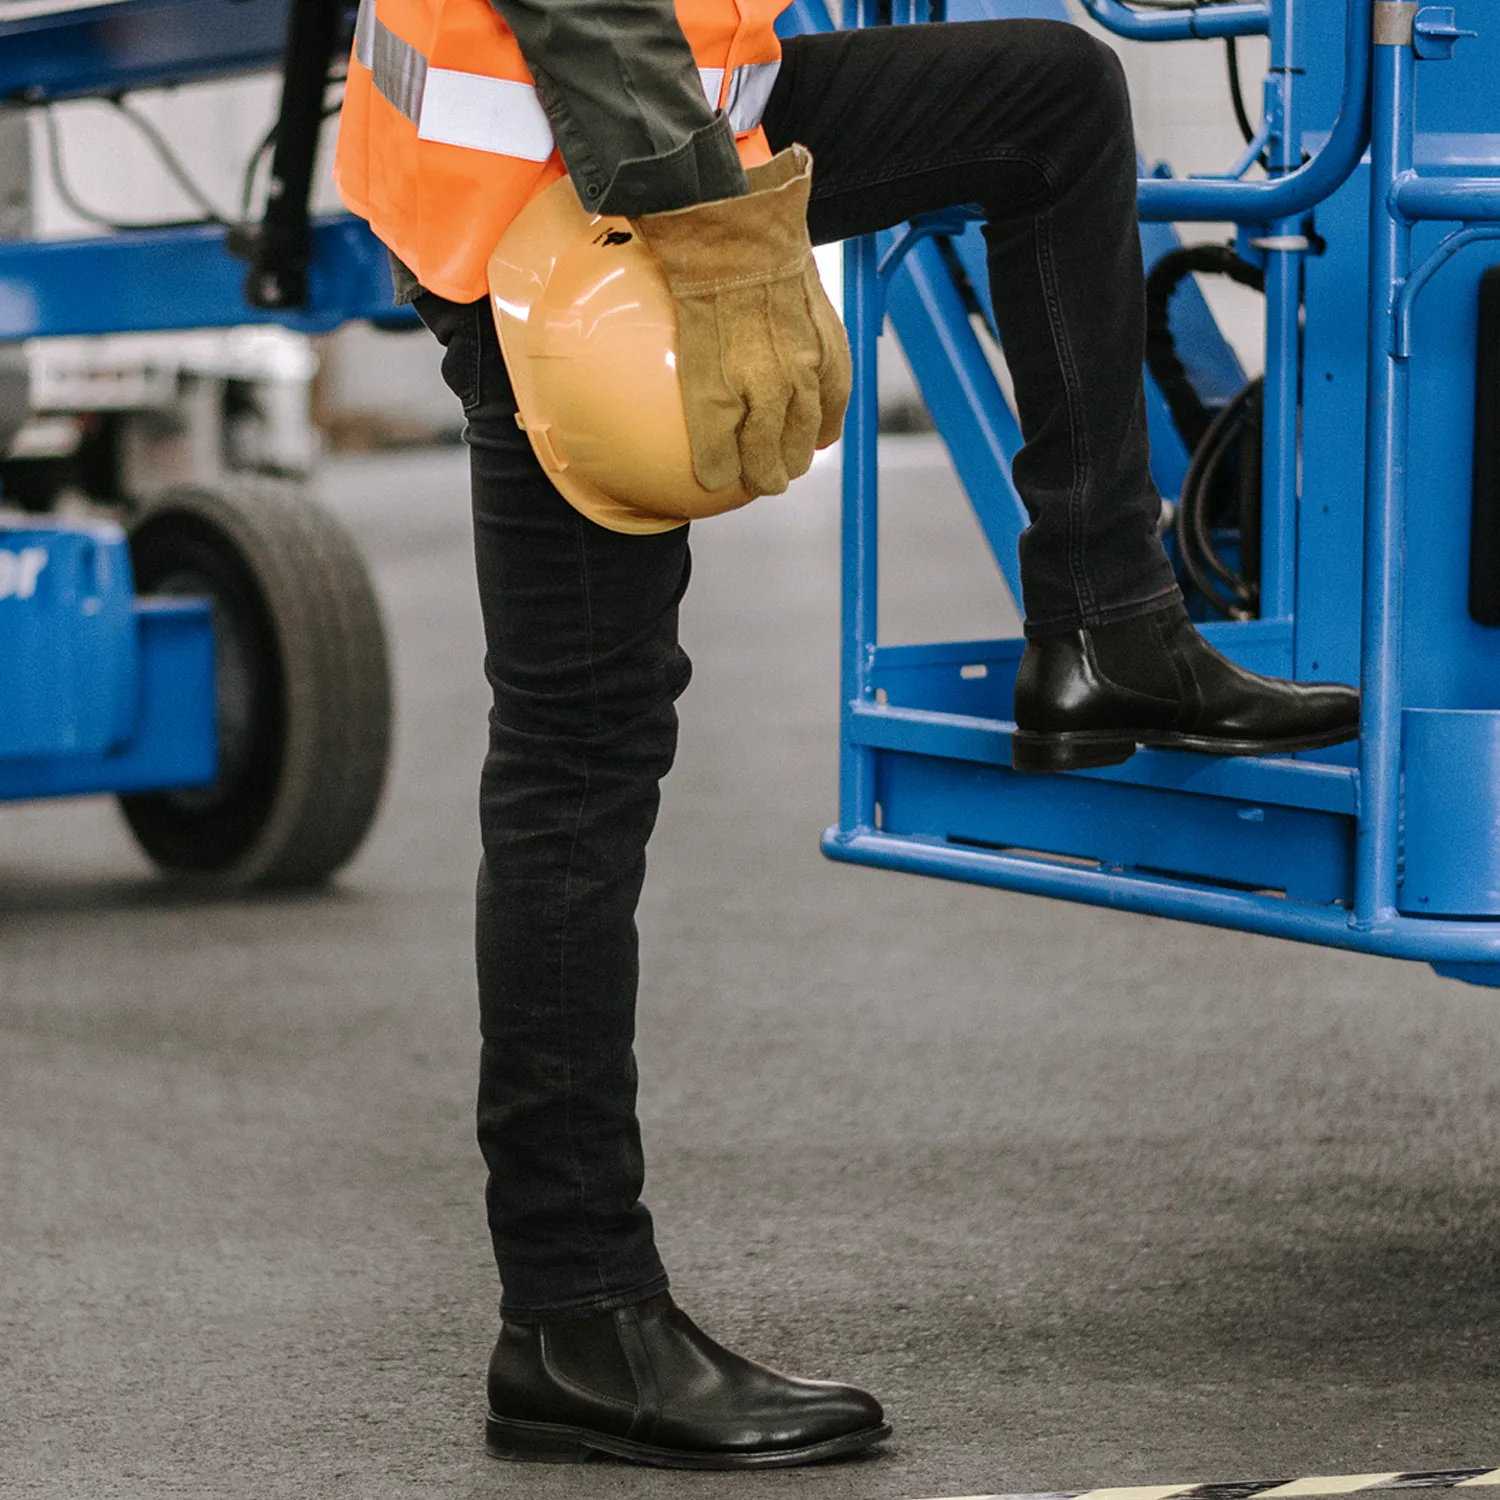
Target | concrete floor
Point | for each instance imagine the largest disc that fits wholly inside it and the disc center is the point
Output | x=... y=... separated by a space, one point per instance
x=1087 y=1198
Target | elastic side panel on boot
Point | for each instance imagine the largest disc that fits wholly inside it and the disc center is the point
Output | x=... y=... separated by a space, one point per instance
x=587 y=1351
x=1484 y=544
x=1132 y=654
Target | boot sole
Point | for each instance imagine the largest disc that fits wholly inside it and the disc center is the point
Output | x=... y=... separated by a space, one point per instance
x=547 y=1443
x=1083 y=749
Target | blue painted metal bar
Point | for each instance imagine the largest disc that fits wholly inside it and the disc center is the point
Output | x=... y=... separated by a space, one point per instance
x=1296 y=192
x=1179 y=25
x=803 y=16
x=1282 y=392
x=956 y=379
x=1248 y=157
x=899 y=242
x=1387 y=398
x=1153 y=895
x=1424 y=273
x=862 y=317
x=150 y=280
x=1461 y=198
x=109 y=49
x=1279 y=434
x=1279 y=781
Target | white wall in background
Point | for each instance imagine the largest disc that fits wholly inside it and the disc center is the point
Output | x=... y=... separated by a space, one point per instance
x=212 y=127
x=215 y=128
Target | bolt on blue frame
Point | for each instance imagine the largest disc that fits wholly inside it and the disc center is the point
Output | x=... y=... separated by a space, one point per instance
x=1372 y=268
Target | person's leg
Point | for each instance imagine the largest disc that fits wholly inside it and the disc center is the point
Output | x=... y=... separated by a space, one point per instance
x=583 y=661
x=1031 y=120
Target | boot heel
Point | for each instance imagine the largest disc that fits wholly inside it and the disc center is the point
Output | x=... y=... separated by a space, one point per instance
x=530 y=1443
x=1077 y=751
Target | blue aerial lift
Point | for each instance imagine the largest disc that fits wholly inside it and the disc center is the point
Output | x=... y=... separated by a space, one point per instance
x=1362 y=545
x=222 y=667
x=1337 y=519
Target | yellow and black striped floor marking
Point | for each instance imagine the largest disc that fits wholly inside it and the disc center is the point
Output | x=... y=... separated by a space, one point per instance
x=1266 y=1489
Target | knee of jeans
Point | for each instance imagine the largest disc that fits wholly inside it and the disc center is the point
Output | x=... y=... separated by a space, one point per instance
x=1108 y=87
x=1088 y=76
x=619 y=703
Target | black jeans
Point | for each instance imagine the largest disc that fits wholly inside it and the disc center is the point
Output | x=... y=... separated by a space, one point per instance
x=1029 y=119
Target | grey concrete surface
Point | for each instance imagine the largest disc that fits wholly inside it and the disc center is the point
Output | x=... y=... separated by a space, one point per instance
x=1087 y=1198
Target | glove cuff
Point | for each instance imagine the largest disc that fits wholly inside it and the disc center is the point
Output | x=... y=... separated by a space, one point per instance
x=758 y=237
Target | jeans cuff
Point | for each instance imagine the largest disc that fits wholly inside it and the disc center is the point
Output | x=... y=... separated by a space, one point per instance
x=1109 y=615
x=583 y=1307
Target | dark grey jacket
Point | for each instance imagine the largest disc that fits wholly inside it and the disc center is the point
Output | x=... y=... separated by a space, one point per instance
x=620 y=88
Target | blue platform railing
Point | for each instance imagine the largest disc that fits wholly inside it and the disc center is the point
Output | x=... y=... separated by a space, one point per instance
x=921 y=747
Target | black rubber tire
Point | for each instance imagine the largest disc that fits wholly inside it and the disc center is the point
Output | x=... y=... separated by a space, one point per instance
x=304 y=688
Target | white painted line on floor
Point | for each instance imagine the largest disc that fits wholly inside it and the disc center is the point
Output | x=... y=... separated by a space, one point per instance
x=1267 y=1489
x=1330 y=1484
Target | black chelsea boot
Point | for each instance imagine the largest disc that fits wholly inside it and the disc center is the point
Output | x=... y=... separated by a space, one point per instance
x=1088 y=697
x=645 y=1383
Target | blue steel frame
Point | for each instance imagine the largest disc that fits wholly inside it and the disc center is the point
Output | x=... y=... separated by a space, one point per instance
x=1305 y=848
x=1324 y=832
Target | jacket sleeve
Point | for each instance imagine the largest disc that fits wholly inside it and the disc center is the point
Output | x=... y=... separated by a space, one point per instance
x=621 y=90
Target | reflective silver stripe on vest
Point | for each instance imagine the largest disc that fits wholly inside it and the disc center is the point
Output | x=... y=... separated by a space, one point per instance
x=498 y=114
x=400 y=74
x=749 y=89
x=364 y=34
x=712 y=82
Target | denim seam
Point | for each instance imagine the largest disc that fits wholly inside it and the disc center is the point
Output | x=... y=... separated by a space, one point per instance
x=582 y=1307
x=1108 y=615
x=567 y=906
x=476 y=355
x=1047 y=273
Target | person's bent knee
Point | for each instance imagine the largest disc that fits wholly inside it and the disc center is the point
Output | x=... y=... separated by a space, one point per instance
x=1086 y=73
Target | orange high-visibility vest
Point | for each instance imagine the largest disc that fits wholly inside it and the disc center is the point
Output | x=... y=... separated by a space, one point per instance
x=442 y=139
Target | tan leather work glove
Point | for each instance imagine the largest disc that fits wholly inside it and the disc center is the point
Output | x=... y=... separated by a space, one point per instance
x=761 y=355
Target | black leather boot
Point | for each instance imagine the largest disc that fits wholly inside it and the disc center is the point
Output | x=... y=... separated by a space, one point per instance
x=1089 y=697
x=644 y=1383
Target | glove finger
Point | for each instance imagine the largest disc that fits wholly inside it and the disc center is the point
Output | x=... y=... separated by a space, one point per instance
x=799 y=350
x=713 y=410
x=755 y=368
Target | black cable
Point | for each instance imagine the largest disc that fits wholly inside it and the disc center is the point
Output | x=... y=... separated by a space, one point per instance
x=265 y=147
x=1200 y=559
x=169 y=159
x=77 y=207
x=1236 y=93
x=252 y=170
x=174 y=167
x=1189 y=414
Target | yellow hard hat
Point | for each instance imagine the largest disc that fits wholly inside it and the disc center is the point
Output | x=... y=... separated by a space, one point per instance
x=589 y=332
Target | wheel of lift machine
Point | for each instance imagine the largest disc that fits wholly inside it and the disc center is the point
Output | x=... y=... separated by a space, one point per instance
x=304 y=702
